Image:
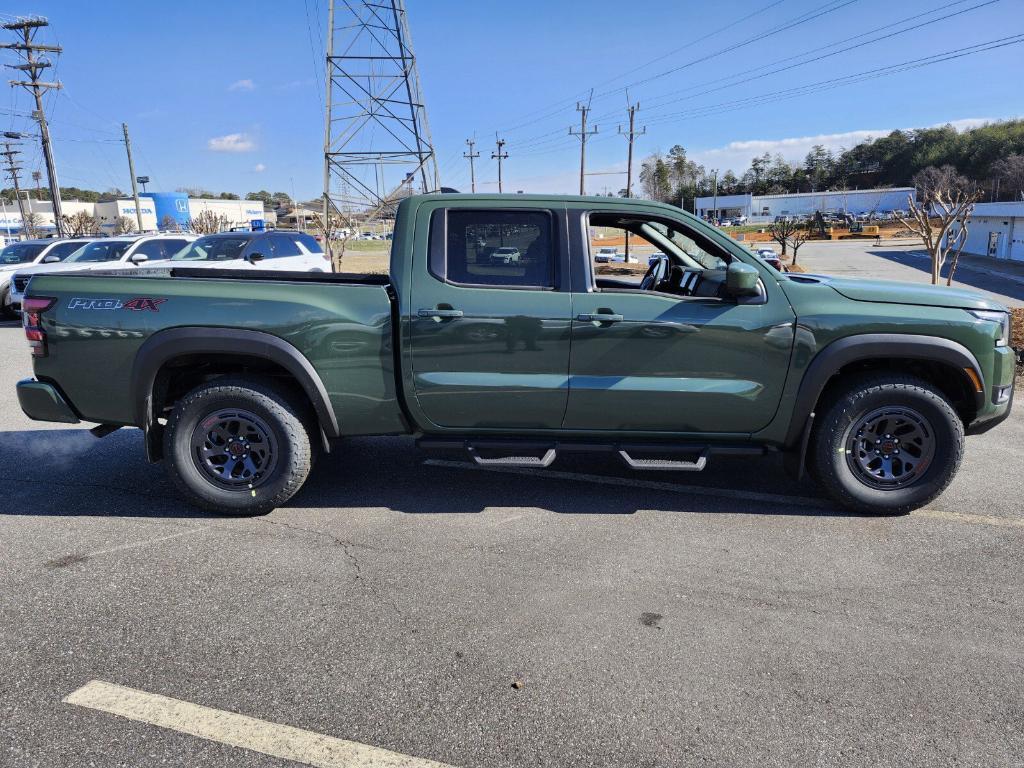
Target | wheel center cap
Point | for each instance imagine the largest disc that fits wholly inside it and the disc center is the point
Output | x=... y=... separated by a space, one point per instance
x=236 y=449
x=888 y=446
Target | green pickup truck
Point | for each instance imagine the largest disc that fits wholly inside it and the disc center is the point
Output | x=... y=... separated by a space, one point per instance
x=238 y=380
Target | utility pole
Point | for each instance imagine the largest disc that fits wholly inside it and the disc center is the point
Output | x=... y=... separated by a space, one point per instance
x=716 y=195
x=584 y=134
x=26 y=29
x=131 y=170
x=471 y=155
x=12 y=171
x=630 y=135
x=499 y=156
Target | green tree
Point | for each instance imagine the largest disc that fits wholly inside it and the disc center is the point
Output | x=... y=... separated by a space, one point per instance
x=265 y=197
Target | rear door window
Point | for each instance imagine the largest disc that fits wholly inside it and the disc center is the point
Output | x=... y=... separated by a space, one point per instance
x=494 y=248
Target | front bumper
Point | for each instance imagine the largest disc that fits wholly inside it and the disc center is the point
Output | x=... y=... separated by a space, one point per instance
x=44 y=402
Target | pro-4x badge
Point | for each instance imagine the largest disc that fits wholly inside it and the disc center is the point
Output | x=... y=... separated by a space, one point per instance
x=140 y=305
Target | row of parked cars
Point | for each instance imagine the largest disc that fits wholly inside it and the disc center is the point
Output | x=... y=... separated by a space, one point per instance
x=271 y=250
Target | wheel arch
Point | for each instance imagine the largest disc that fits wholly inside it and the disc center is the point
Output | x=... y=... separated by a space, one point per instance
x=943 y=362
x=232 y=349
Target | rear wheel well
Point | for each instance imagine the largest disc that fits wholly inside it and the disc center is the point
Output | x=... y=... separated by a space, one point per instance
x=180 y=375
x=951 y=381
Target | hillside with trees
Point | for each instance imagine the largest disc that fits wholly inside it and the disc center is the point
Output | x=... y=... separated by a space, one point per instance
x=992 y=156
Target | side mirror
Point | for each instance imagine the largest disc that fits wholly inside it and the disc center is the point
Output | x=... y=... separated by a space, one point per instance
x=254 y=257
x=741 y=280
x=51 y=259
x=138 y=258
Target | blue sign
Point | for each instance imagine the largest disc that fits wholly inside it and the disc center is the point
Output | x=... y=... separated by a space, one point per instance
x=257 y=225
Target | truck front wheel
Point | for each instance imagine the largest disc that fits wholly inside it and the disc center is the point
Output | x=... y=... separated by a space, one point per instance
x=887 y=444
x=237 y=446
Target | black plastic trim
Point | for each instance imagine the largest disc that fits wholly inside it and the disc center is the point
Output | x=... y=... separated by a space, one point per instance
x=870 y=346
x=164 y=346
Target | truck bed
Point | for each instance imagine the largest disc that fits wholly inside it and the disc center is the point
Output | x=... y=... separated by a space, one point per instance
x=342 y=324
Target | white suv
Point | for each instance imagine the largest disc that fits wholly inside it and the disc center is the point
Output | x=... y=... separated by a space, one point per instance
x=106 y=253
x=276 y=250
x=20 y=255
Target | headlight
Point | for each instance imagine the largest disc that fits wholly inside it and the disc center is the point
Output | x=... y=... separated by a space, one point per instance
x=1003 y=318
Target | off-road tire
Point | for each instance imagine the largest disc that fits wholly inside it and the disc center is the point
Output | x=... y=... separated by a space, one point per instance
x=279 y=410
x=857 y=400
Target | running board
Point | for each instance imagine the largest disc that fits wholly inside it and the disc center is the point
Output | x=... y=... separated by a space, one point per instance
x=666 y=464
x=513 y=461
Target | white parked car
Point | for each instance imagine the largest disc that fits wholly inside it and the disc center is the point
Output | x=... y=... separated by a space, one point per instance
x=25 y=253
x=505 y=255
x=102 y=253
x=278 y=250
x=606 y=254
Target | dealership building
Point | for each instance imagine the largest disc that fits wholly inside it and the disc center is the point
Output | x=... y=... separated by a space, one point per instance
x=996 y=230
x=159 y=210
x=764 y=208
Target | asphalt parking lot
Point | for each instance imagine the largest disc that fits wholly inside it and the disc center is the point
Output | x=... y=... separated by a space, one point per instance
x=729 y=618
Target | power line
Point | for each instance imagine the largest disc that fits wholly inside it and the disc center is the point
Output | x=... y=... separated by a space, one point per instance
x=829 y=7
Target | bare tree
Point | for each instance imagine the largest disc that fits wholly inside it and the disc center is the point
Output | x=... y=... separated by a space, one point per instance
x=797 y=238
x=32 y=223
x=124 y=226
x=782 y=230
x=80 y=224
x=939 y=215
x=169 y=224
x=335 y=233
x=1010 y=173
x=208 y=223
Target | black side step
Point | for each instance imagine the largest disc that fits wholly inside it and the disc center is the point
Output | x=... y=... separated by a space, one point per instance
x=520 y=451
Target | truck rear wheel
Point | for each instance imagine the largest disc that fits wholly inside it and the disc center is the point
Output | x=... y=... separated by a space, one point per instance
x=237 y=446
x=887 y=444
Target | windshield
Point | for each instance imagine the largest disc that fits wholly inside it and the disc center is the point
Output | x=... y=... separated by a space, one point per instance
x=100 y=250
x=689 y=247
x=212 y=249
x=20 y=253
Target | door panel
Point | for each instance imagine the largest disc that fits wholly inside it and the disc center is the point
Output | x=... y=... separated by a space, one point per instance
x=490 y=355
x=676 y=365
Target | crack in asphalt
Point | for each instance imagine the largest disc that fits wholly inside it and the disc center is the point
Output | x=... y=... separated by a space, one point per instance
x=346 y=547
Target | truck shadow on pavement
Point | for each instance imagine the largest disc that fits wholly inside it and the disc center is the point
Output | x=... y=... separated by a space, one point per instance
x=68 y=472
x=966 y=274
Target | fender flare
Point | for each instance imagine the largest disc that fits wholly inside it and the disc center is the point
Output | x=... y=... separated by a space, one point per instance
x=164 y=346
x=869 y=346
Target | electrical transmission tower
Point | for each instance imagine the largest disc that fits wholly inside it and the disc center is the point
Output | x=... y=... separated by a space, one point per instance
x=32 y=66
x=377 y=144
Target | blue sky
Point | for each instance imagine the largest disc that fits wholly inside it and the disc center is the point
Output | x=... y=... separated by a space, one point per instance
x=228 y=95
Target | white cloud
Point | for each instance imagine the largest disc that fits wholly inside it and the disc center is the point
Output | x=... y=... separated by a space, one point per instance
x=232 y=142
x=259 y=167
x=242 y=85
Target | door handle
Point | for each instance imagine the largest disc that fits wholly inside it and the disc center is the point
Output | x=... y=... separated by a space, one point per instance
x=600 y=317
x=440 y=313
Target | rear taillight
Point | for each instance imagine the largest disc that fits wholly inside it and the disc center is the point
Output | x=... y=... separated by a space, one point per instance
x=32 y=309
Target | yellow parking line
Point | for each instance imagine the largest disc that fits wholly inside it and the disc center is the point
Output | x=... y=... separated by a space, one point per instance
x=272 y=739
